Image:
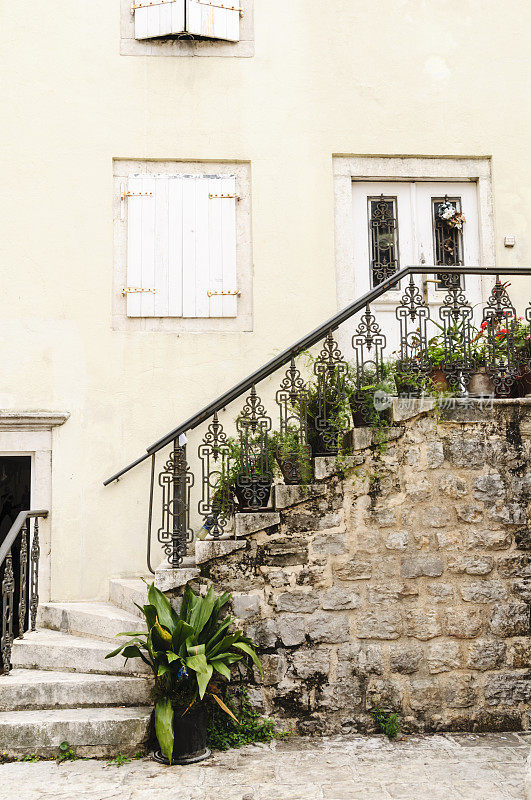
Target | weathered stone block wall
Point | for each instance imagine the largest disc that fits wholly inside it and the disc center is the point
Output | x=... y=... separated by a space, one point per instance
x=404 y=584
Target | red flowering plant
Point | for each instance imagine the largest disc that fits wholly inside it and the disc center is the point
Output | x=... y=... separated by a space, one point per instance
x=501 y=334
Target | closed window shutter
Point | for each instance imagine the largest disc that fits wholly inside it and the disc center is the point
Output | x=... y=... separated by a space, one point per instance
x=158 y=19
x=215 y=19
x=209 y=246
x=182 y=244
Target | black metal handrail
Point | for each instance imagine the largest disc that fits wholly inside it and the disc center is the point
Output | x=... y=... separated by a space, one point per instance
x=15 y=529
x=28 y=571
x=307 y=341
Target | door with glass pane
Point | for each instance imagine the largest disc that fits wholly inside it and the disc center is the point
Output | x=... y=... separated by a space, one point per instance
x=402 y=223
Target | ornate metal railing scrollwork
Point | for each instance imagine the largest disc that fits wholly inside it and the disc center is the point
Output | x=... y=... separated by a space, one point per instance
x=23 y=582
x=412 y=314
x=500 y=318
x=217 y=503
x=327 y=409
x=456 y=314
x=369 y=344
x=34 y=574
x=292 y=399
x=255 y=475
x=8 y=609
x=176 y=481
x=19 y=581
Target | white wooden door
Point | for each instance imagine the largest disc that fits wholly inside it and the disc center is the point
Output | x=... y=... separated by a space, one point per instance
x=395 y=225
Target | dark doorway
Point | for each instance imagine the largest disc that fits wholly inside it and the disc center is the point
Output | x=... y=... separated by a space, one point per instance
x=15 y=496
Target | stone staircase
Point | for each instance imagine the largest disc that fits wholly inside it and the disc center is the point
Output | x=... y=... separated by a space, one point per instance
x=61 y=688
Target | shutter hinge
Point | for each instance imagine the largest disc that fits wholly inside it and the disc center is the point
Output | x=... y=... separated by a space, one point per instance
x=135 y=290
x=125 y=194
x=212 y=293
x=136 y=194
x=224 y=197
x=221 y=5
x=134 y=5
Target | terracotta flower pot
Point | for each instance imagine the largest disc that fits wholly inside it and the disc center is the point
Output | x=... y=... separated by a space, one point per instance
x=523 y=383
x=439 y=380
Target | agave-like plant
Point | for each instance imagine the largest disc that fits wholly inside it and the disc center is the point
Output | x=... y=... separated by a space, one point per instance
x=184 y=650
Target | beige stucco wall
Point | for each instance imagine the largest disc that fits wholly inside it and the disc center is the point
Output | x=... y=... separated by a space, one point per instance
x=328 y=76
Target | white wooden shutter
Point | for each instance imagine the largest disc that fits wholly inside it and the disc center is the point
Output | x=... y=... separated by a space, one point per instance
x=161 y=18
x=215 y=19
x=209 y=246
x=181 y=243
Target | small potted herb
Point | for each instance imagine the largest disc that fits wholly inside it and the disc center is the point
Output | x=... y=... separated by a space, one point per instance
x=191 y=655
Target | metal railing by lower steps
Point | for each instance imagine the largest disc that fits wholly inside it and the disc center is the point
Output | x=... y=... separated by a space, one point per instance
x=435 y=352
x=19 y=581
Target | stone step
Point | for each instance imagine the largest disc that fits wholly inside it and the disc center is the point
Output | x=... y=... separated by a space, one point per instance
x=125 y=592
x=97 y=620
x=25 y=689
x=168 y=578
x=93 y=732
x=53 y=650
x=246 y=523
x=287 y=495
x=209 y=549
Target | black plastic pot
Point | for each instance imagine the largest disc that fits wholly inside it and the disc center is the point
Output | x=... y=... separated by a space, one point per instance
x=319 y=442
x=255 y=494
x=190 y=736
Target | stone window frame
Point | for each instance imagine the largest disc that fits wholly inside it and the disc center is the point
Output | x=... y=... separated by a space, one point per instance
x=243 y=322
x=244 y=48
x=350 y=168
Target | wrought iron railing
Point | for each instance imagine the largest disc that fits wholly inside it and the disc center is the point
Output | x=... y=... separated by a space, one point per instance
x=19 y=576
x=447 y=344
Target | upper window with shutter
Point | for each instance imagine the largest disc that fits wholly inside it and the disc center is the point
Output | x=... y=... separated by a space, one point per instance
x=184 y=245
x=187 y=28
x=181 y=246
x=211 y=19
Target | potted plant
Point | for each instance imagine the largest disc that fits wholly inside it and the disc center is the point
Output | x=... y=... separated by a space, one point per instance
x=365 y=411
x=436 y=355
x=327 y=421
x=248 y=476
x=191 y=655
x=481 y=384
x=292 y=455
x=522 y=346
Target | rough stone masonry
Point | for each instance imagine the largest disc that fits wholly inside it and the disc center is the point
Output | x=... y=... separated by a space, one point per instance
x=403 y=583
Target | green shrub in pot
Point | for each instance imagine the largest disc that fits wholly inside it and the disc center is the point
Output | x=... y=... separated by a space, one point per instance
x=191 y=655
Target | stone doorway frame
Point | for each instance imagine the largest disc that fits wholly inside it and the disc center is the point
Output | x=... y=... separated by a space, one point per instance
x=29 y=433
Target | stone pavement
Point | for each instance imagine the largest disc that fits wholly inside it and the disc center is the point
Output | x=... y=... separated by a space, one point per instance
x=442 y=767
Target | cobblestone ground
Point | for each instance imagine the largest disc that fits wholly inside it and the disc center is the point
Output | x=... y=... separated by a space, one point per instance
x=444 y=767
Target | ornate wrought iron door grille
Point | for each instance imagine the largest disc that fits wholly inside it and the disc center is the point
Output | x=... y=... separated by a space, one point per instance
x=383 y=238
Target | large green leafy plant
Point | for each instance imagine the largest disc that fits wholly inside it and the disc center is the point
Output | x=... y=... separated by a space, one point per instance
x=186 y=651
